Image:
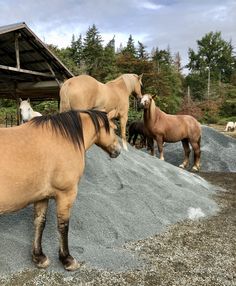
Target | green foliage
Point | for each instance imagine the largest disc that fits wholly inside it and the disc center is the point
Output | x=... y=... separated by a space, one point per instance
x=212 y=68
x=130 y=48
x=215 y=54
x=93 y=52
x=45 y=107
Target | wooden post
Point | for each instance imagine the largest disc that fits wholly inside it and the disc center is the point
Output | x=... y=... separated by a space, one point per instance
x=17 y=35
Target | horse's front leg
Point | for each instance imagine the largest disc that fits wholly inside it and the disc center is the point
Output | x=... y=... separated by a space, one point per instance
x=159 y=141
x=40 y=211
x=123 y=122
x=64 y=202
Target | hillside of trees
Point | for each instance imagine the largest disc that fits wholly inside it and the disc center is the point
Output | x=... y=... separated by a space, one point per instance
x=208 y=92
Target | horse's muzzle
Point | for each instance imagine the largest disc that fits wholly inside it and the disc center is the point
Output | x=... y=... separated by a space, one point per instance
x=115 y=153
x=140 y=106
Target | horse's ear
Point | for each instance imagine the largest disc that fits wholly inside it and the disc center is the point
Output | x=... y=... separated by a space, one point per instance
x=154 y=96
x=28 y=99
x=20 y=99
x=111 y=114
x=140 y=78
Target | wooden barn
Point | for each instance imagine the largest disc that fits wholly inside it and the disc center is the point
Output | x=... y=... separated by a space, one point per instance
x=28 y=69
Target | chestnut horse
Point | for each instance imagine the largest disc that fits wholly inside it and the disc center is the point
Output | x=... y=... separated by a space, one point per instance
x=85 y=92
x=51 y=167
x=172 y=128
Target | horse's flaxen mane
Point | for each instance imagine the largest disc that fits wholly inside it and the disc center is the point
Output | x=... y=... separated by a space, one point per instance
x=69 y=124
x=129 y=79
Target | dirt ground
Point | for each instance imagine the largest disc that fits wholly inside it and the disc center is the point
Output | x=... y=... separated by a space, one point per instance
x=201 y=253
x=221 y=129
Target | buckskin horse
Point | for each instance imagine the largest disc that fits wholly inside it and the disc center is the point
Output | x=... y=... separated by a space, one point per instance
x=51 y=167
x=165 y=127
x=85 y=92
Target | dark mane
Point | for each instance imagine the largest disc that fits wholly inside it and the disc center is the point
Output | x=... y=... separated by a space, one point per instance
x=69 y=124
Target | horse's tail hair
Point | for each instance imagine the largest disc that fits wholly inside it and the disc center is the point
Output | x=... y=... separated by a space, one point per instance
x=64 y=98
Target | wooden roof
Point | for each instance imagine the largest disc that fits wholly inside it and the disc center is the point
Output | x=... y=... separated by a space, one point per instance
x=27 y=67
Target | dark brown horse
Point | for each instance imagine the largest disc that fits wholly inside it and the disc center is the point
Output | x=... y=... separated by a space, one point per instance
x=137 y=128
x=172 y=128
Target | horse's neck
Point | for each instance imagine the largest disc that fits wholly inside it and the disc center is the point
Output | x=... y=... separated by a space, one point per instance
x=128 y=83
x=123 y=82
x=151 y=114
x=89 y=132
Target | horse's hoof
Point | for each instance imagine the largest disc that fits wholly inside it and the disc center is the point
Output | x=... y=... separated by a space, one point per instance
x=182 y=166
x=195 y=169
x=74 y=265
x=43 y=263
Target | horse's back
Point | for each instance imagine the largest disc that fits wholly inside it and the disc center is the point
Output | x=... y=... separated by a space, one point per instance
x=79 y=92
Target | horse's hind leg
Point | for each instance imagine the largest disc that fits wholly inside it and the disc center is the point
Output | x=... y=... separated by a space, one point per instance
x=187 y=151
x=197 y=155
x=64 y=201
x=40 y=211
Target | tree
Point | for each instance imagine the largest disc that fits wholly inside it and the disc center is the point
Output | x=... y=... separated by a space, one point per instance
x=77 y=49
x=109 y=67
x=214 y=56
x=130 y=48
x=93 y=52
x=141 y=51
x=65 y=56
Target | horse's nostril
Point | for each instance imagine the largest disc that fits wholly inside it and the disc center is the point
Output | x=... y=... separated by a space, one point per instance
x=115 y=154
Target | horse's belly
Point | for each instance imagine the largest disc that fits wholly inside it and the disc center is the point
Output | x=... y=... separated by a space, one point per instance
x=15 y=195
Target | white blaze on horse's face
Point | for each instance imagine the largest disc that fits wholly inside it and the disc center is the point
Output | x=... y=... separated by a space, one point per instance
x=145 y=101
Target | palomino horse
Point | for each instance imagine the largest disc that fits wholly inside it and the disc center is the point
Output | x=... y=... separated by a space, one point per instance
x=85 y=92
x=172 y=128
x=51 y=167
x=26 y=111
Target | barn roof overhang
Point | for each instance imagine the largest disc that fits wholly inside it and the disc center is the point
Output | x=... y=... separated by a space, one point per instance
x=27 y=67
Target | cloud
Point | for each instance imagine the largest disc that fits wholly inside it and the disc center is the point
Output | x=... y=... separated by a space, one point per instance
x=156 y=23
x=150 y=5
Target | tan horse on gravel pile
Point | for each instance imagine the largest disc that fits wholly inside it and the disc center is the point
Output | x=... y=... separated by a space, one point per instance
x=85 y=92
x=45 y=158
x=172 y=128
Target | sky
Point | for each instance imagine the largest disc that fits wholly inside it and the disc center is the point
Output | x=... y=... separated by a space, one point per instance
x=176 y=24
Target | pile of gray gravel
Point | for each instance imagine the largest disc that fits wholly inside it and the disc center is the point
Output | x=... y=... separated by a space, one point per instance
x=218 y=152
x=125 y=199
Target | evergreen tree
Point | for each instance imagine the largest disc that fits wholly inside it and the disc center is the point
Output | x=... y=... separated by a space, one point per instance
x=93 y=52
x=141 y=51
x=109 y=68
x=130 y=48
x=76 y=49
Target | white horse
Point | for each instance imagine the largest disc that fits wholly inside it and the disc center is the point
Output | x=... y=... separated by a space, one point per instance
x=26 y=111
x=230 y=126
